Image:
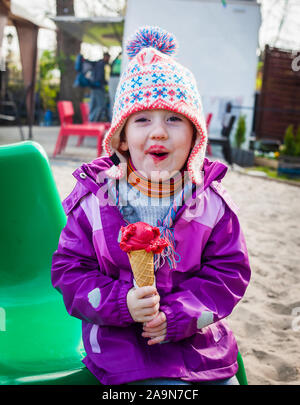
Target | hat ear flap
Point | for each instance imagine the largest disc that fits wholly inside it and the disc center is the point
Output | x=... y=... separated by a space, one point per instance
x=119 y=168
x=196 y=158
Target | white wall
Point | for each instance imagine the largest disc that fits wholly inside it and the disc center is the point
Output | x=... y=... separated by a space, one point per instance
x=217 y=43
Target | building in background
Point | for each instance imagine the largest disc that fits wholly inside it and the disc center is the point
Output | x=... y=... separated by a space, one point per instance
x=222 y=51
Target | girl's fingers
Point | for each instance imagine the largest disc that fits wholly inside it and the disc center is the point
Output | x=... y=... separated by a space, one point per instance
x=157 y=321
x=155 y=334
x=149 y=302
x=155 y=330
x=142 y=292
x=150 y=311
x=156 y=340
x=146 y=318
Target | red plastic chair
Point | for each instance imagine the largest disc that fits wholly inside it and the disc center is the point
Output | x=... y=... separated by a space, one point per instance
x=85 y=110
x=208 y=120
x=66 y=112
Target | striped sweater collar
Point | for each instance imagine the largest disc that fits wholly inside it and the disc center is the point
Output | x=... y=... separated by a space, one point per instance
x=154 y=189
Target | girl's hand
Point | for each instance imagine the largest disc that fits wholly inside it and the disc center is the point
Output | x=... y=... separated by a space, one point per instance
x=156 y=329
x=143 y=303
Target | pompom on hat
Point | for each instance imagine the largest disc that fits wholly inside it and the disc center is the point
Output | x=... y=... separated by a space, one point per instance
x=152 y=80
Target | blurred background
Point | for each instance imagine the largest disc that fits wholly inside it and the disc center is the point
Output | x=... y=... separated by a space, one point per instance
x=245 y=56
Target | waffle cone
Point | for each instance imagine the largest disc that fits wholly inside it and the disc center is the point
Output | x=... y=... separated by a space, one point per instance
x=142 y=267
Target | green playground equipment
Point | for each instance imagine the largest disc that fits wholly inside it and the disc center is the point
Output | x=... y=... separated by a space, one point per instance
x=40 y=343
x=241 y=373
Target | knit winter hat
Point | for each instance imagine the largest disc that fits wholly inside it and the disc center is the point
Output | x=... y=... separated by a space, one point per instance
x=152 y=80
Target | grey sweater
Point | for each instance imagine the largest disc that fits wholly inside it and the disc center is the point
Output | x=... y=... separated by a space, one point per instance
x=136 y=206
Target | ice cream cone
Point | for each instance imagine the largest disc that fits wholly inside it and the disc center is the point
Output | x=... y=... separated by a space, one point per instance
x=141 y=242
x=142 y=267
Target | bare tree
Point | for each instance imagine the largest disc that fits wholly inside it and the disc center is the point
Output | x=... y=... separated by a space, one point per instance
x=67 y=49
x=93 y=8
x=282 y=20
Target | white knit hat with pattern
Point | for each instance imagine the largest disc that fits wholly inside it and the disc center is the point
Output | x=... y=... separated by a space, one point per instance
x=155 y=80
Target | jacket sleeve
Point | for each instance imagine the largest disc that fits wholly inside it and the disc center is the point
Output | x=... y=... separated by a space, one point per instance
x=88 y=294
x=210 y=293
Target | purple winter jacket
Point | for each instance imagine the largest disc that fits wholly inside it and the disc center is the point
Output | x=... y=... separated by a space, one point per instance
x=94 y=275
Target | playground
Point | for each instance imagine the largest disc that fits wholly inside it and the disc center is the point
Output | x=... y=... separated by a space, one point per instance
x=43 y=141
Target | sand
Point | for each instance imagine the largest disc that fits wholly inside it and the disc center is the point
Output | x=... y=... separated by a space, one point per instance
x=266 y=322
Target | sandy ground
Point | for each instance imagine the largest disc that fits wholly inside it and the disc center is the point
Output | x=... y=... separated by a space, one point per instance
x=266 y=322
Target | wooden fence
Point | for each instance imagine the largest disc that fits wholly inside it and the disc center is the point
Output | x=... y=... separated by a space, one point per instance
x=279 y=101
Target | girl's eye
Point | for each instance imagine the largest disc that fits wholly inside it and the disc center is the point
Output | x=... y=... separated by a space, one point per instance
x=175 y=118
x=141 y=119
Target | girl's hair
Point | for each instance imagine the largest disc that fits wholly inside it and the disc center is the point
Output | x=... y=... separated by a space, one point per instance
x=122 y=135
x=123 y=139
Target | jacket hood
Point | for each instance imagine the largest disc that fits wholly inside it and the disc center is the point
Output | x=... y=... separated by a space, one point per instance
x=213 y=171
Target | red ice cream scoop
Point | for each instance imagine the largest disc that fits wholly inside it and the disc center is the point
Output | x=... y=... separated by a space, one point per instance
x=141 y=235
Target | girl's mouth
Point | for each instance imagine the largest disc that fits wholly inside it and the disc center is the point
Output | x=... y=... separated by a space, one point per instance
x=158 y=156
x=157 y=152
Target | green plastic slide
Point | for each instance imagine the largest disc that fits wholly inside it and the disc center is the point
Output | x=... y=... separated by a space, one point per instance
x=39 y=341
x=241 y=374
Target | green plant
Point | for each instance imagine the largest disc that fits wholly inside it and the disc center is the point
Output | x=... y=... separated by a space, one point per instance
x=48 y=95
x=271 y=172
x=291 y=143
x=240 y=134
x=297 y=139
x=48 y=84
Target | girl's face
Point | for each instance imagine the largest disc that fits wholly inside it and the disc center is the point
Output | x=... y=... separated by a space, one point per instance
x=159 y=142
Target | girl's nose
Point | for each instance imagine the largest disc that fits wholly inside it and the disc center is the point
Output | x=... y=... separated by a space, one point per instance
x=159 y=132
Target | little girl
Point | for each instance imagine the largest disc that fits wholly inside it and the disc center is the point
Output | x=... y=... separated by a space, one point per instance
x=154 y=171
